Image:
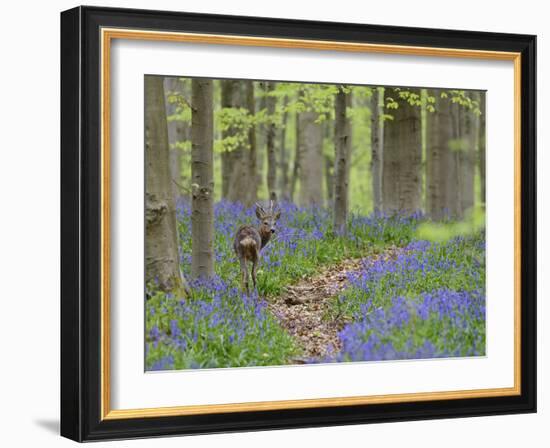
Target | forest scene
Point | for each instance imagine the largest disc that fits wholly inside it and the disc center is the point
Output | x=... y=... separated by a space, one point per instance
x=290 y=223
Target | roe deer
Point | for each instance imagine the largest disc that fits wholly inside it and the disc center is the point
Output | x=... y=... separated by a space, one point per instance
x=249 y=241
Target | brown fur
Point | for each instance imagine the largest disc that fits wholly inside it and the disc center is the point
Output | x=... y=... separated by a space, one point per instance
x=249 y=241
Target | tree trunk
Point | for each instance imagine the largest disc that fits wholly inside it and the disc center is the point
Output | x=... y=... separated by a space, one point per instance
x=176 y=133
x=270 y=143
x=481 y=145
x=401 y=178
x=235 y=163
x=161 y=238
x=229 y=98
x=202 y=174
x=252 y=152
x=283 y=158
x=463 y=158
x=342 y=146
x=329 y=178
x=440 y=163
x=377 y=146
x=311 y=159
x=467 y=137
x=261 y=132
x=328 y=158
x=454 y=168
x=297 y=156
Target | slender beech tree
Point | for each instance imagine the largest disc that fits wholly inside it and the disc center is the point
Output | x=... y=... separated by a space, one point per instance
x=328 y=160
x=377 y=146
x=455 y=201
x=230 y=97
x=463 y=155
x=402 y=175
x=441 y=174
x=176 y=131
x=261 y=134
x=481 y=144
x=467 y=138
x=161 y=238
x=342 y=146
x=283 y=156
x=311 y=158
x=253 y=146
x=297 y=158
x=236 y=161
x=270 y=141
x=202 y=178
x=329 y=178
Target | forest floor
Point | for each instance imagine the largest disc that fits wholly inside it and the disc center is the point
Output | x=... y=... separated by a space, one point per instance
x=385 y=291
x=304 y=310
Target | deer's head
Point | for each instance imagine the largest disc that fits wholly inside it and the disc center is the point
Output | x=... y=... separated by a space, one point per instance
x=268 y=218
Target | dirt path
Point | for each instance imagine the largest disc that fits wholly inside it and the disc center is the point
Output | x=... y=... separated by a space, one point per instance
x=302 y=309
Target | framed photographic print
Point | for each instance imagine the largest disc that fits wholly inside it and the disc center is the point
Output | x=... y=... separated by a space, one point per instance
x=273 y=223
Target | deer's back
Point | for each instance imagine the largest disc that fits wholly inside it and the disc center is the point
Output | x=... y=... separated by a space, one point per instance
x=247 y=243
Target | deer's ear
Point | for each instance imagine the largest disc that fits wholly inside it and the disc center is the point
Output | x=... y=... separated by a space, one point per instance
x=278 y=214
x=259 y=213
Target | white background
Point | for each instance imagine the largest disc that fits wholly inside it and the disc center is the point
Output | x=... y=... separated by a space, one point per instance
x=132 y=388
x=29 y=100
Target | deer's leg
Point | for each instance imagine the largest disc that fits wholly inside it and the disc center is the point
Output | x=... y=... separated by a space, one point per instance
x=244 y=275
x=242 y=262
x=254 y=268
